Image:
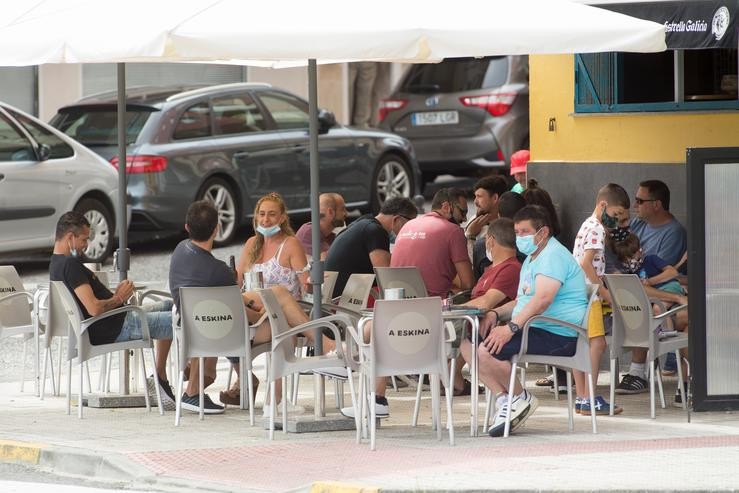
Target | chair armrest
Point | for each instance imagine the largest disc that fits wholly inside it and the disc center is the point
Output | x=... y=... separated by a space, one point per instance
x=670 y=312
x=462 y=297
x=155 y=292
x=322 y=322
x=581 y=332
x=450 y=332
x=124 y=309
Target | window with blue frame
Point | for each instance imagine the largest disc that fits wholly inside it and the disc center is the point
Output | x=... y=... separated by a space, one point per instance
x=678 y=80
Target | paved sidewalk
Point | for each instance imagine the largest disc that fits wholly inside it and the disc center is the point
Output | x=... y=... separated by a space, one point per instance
x=223 y=453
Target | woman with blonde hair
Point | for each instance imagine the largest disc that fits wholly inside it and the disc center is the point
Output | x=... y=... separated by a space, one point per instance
x=274 y=250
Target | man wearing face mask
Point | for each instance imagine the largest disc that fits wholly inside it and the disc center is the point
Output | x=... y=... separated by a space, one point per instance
x=93 y=298
x=551 y=284
x=333 y=214
x=435 y=244
x=365 y=244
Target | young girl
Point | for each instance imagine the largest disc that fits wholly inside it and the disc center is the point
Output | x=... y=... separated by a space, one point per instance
x=652 y=270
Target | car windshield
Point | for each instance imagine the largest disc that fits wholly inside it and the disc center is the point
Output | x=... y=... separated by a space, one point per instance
x=98 y=126
x=455 y=75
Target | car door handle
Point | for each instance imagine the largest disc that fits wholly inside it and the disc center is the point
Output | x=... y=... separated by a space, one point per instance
x=299 y=148
x=70 y=172
x=242 y=155
x=2 y=177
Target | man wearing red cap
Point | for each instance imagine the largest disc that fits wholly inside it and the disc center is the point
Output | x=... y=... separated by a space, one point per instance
x=518 y=169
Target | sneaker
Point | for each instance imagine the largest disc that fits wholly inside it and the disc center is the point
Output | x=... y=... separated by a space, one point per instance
x=522 y=407
x=338 y=372
x=578 y=404
x=678 y=402
x=291 y=409
x=631 y=384
x=382 y=409
x=168 y=400
x=670 y=366
x=192 y=403
x=602 y=408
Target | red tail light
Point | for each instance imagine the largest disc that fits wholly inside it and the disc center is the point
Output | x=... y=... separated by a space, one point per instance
x=496 y=103
x=388 y=105
x=143 y=164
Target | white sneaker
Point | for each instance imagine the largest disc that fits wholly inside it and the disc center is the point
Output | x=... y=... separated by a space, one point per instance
x=291 y=409
x=382 y=411
x=522 y=407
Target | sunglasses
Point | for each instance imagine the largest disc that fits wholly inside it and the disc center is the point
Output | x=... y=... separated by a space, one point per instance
x=641 y=201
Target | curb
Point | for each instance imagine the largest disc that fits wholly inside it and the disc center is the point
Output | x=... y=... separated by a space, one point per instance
x=13 y=451
x=339 y=487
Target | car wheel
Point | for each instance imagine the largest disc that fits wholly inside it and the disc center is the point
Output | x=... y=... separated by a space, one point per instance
x=221 y=195
x=392 y=179
x=99 y=216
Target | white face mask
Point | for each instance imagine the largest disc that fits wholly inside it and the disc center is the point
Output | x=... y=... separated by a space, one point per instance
x=72 y=250
x=489 y=255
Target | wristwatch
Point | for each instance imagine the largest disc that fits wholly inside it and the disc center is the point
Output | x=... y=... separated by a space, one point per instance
x=514 y=327
x=250 y=304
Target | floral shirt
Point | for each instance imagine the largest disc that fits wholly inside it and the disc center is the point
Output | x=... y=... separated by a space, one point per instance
x=592 y=236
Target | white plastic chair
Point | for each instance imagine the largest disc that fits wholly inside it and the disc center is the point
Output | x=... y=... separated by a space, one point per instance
x=212 y=322
x=17 y=314
x=578 y=361
x=282 y=360
x=408 y=278
x=407 y=337
x=636 y=326
x=80 y=349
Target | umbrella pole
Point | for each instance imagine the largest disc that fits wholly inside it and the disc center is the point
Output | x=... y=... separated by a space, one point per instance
x=122 y=257
x=316 y=271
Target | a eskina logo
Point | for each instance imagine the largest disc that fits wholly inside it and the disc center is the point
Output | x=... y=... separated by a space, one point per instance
x=409 y=333
x=631 y=311
x=628 y=308
x=3 y=290
x=720 y=23
x=213 y=319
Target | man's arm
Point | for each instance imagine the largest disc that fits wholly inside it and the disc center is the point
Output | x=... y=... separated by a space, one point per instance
x=97 y=307
x=490 y=299
x=380 y=258
x=545 y=291
x=464 y=272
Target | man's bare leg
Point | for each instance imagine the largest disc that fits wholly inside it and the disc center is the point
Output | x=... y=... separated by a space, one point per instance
x=193 y=384
x=161 y=347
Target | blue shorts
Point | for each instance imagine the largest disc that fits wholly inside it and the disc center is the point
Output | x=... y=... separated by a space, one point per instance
x=158 y=317
x=540 y=342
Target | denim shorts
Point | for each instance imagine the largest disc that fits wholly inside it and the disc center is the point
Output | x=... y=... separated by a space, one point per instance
x=540 y=342
x=159 y=318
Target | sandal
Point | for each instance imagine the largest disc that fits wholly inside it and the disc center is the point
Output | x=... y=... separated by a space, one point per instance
x=545 y=382
x=232 y=396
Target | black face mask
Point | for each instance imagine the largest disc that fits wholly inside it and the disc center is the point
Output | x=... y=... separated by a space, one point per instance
x=619 y=234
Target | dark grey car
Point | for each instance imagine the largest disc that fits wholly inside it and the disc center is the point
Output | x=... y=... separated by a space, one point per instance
x=232 y=144
x=463 y=115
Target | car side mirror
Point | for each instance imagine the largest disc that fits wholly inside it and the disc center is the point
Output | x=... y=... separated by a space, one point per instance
x=326 y=121
x=43 y=152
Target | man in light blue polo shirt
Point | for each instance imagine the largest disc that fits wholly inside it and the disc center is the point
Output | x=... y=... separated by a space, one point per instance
x=551 y=284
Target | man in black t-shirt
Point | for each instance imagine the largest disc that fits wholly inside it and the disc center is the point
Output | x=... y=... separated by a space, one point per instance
x=93 y=298
x=365 y=244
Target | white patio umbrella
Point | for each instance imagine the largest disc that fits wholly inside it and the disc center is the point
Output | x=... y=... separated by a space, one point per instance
x=289 y=32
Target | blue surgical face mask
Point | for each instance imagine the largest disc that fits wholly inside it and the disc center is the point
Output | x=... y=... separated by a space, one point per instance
x=393 y=237
x=267 y=232
x=72 y=250
x=526 y=245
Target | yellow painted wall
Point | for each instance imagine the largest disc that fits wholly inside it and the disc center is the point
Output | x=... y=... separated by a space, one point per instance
x=624 y=137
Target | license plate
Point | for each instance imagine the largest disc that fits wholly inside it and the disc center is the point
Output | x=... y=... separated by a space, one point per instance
x=435 y=118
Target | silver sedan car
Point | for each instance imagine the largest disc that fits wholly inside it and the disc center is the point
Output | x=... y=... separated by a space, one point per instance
x=43 y=174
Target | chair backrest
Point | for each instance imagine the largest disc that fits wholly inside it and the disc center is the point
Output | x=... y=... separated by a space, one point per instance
x=16 y=311
x=213 y=322
x=408 y=337
x=632 y=310
x=57 y=319
x=62 y=301
x=581 y=359
x=329 y=281
x=356 y=291
x=278 y=325
x=408 y=278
